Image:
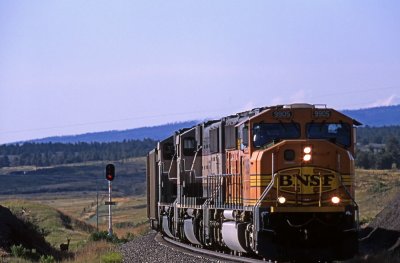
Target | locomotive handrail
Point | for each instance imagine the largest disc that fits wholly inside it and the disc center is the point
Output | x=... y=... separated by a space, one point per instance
x=167 y=172
x=270 y=185
x=257 y=205
x=348 y=193
x=266 y=190
x=191 y=170
x=256 y=210
x=194 y=160
x=216 y=194
x=170 y=168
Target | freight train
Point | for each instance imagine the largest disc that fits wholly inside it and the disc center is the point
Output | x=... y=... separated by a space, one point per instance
x=274 y=182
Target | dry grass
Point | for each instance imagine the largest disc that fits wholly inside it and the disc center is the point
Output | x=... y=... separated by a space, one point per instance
x=49 y=220
x=61 y=188
x=91 y=252
x=129 y=219
x=374 y=190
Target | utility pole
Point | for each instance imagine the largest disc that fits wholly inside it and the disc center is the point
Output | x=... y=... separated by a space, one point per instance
x=97 y=205
x=110 y=232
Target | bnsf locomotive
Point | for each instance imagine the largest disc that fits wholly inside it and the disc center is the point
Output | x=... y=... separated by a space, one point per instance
x=277 y=182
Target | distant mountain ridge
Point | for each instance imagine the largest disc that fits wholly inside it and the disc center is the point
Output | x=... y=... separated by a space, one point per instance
x=378 y=116
x=154 y=132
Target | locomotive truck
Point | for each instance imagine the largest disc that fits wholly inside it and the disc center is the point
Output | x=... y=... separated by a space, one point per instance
x=275 y=182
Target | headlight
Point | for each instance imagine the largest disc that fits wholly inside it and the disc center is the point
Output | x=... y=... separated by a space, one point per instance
x=307 y=157
x=307 y=149
x=307 y=153
x=335 y=200
x=281 y=199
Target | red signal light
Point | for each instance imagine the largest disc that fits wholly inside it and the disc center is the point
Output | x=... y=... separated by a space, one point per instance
x=110 y=172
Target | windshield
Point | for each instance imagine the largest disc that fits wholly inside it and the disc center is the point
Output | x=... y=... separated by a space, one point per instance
x=338 y=133
x=265 y=133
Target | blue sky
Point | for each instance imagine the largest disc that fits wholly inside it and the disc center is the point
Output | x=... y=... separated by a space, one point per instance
x=70 y=67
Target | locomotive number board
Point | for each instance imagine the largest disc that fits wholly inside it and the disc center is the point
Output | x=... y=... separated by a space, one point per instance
x=282 y=114
x=322 y=114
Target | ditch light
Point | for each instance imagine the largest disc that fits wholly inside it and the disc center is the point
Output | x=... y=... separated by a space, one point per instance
x=281 y=199
x=335 y=200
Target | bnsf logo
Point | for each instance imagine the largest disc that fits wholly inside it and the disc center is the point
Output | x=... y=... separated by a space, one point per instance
x=306 y=179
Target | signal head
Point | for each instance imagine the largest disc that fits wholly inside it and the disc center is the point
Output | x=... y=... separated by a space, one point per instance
x=110 y=172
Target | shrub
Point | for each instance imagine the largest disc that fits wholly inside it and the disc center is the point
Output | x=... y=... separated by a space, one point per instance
x=379 y=187
x=124 y=224
x=103 y=235
x=19 y=251
x=112 y=257
x=97 y=236
x=47 y=259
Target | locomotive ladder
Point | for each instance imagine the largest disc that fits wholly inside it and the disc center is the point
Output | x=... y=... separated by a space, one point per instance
x=348 y=193
x=256 y=210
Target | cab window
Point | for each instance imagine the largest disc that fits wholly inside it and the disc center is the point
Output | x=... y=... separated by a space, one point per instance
x=338 y=133
x=266 y=133
x=168 y=151
x=189 y=146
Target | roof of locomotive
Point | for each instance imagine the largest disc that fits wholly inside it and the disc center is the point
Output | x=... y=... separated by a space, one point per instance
x=241 y=117
x=296 y=106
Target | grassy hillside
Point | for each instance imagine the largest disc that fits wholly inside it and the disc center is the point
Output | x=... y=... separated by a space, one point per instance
x=52 y=223
x=374 y=190
x=56 y=227
x=74 y=180
x=63 y=201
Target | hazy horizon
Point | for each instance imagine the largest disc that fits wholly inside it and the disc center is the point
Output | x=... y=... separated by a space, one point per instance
x=151 y=126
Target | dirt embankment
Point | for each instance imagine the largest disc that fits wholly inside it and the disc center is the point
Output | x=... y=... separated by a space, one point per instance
x=15 y=231
x=383 y=233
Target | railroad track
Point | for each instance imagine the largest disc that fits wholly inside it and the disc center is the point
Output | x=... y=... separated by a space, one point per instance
x=188 y=249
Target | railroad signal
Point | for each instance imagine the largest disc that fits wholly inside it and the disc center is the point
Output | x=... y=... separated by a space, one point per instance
x=110 y=172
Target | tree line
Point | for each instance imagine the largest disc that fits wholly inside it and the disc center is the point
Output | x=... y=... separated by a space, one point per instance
x=378 y=147
x=48 y=154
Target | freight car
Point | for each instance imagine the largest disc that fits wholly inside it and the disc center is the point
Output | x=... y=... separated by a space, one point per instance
x=277 y=182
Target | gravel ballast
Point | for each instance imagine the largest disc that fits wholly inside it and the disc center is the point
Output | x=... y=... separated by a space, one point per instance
x=147 y=250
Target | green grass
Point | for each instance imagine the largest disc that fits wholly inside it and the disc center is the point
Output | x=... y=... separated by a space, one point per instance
x=58 y=227
x=63 y=198
x=55 y=226
x=112 y=257
x=77 y=179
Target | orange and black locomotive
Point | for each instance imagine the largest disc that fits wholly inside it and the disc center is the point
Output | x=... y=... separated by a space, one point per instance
x=277 y=182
